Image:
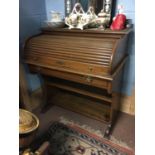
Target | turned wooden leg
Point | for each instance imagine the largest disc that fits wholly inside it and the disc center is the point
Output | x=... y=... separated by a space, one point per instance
x=107 y=131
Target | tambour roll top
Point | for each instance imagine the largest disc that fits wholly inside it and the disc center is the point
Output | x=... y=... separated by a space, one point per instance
x=93 y=52
x=88 y=62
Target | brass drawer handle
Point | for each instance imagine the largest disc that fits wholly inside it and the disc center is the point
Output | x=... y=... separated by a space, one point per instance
x=60 y=62
x=89 y=79
x=90 y=69
x=35 y=58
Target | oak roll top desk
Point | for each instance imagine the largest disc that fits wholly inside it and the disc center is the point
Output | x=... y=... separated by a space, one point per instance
x=89 y=62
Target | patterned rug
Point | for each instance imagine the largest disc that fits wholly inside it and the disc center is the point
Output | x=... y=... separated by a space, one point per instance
x=73 y=140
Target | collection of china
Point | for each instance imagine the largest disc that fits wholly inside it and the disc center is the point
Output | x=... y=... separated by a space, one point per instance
x=79 y=19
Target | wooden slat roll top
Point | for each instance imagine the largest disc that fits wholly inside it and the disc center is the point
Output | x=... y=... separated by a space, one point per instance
x=88 y=62
x=79 y=52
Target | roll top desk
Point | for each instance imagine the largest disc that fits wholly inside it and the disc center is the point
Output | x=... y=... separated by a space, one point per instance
x=89 y=62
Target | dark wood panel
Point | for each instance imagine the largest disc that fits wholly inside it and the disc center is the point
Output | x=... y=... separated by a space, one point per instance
x=82 y=41
x=120 y=52
x=88 y=32
x=96 y=110
x=105 y=61
x=66 y=50
x=88 y=50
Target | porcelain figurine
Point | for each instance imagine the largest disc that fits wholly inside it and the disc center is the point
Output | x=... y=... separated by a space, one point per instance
x=91 y=16
x=103 y=19
x=78 y=18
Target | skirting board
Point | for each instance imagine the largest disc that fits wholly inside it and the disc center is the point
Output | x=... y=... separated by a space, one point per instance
x=128 y=103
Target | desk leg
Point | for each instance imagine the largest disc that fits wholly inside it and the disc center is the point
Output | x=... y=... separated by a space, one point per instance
x=107 y=131
x=46 y=98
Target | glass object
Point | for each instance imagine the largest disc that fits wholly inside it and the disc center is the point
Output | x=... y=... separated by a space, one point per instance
x=104 y=16
x=56 y=16
x=68 y=7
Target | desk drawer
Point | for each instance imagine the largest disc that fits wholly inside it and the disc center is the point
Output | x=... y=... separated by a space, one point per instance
x=71 y=65
x=84 y=79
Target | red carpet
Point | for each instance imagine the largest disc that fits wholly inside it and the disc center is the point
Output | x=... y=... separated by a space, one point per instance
x=73 y=140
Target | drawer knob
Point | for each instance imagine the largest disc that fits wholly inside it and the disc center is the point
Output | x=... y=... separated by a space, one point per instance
x=60 y=62
x=35 y=59
x=90 y=69
x=89 y=79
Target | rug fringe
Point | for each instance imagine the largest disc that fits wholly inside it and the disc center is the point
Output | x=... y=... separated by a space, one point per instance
x=97 y=132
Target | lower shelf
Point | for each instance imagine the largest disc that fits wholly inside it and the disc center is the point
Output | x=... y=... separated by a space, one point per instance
x=80 y=89
x=83 y=105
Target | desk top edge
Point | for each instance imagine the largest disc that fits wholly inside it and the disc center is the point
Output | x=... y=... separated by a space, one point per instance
x=92 y=30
